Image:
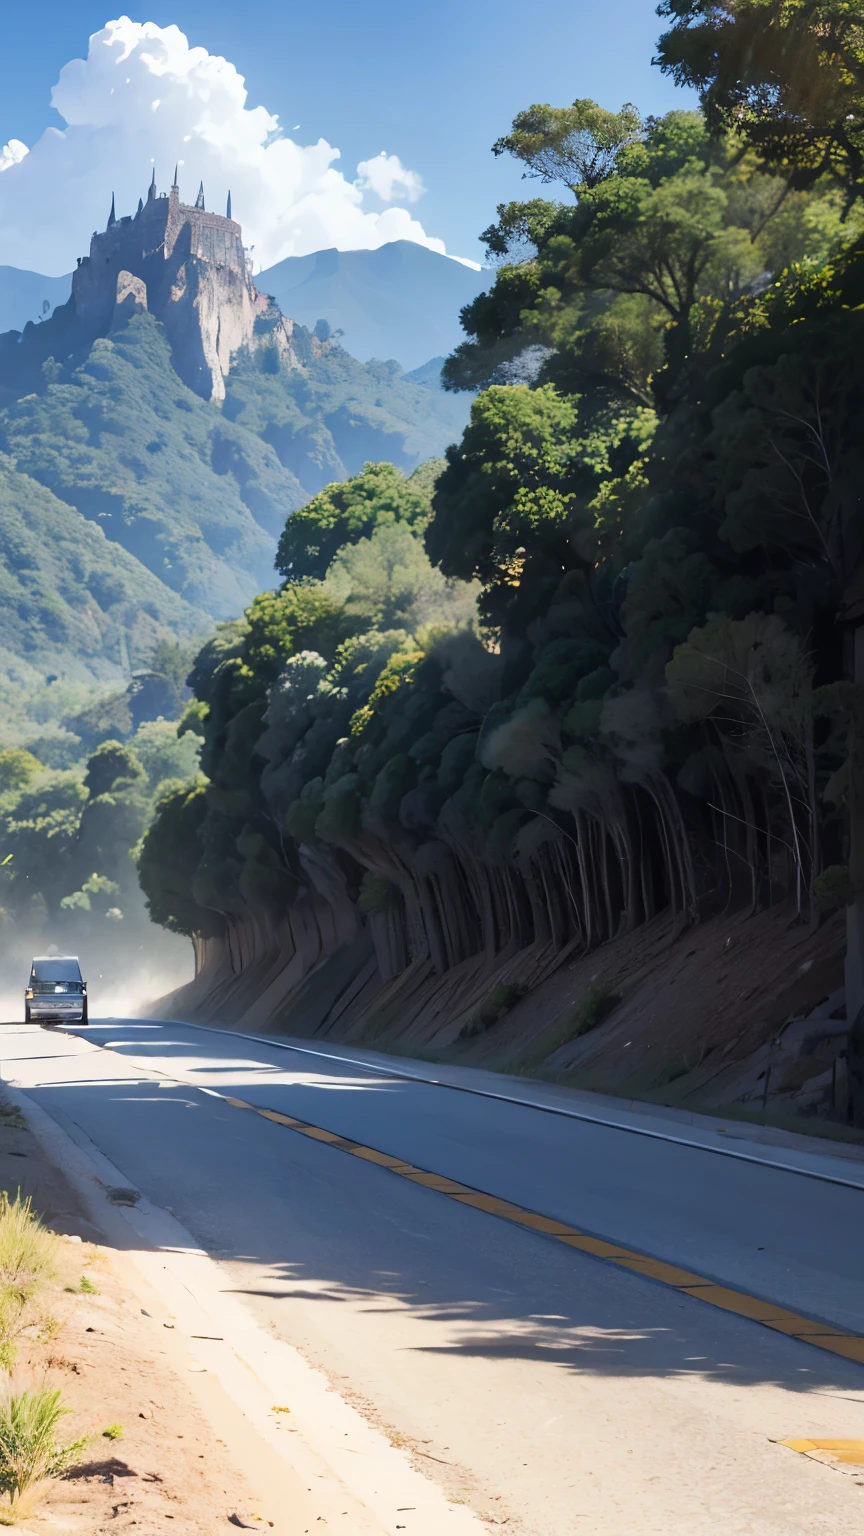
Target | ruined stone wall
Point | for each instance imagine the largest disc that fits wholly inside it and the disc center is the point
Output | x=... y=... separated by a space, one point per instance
x=210 y=237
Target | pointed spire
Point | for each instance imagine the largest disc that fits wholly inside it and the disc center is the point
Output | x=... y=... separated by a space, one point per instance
x=140 y=205
x=228 y=209
x=151 y=191
x=175 y=185
x=199 y=201
x=112 y=217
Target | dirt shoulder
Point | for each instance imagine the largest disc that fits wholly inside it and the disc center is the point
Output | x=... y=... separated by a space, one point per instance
x=167 y=1469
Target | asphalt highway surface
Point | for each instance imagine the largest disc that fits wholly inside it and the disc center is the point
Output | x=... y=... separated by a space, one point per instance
x=412 y=1241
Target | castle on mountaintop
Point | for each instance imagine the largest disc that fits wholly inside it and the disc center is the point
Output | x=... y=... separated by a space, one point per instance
x=188 y=268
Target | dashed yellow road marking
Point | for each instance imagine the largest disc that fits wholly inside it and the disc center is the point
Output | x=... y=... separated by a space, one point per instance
x=767 y=1313
x=841 y=1455
x=849 y=1451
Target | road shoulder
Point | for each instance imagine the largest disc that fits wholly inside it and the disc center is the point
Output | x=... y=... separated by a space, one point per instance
x=318 y=1460
x=114 y=1361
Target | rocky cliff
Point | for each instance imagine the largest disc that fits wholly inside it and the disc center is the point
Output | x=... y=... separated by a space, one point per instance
x=156 y=431
x=188 y=268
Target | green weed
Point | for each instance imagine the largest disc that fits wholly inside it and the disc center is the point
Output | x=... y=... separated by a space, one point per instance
x=500 y=1000
x=29 y=1256
x=28 y=1251
x=84 y=1287
x=30 y=1453
x=582 y=1016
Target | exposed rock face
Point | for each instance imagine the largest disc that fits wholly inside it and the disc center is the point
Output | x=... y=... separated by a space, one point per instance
x=131 y=299
x=186 y=266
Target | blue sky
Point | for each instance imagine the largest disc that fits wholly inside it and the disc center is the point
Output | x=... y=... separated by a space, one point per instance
x=434 y=84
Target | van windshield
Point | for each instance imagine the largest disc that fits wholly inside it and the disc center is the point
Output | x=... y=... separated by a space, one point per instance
x=60 y=969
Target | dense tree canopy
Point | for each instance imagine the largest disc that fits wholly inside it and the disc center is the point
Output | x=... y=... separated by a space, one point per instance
x=343 y=513
x=67 y=837
x=600 y=676
x=615 y=298
x=786 y=75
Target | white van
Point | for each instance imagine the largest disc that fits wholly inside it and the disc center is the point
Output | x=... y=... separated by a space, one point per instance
x=56 y=990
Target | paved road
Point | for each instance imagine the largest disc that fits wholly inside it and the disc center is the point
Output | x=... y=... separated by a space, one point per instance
x=546 y=1388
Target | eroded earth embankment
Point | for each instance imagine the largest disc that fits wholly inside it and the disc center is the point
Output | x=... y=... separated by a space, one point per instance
x=744 y=1012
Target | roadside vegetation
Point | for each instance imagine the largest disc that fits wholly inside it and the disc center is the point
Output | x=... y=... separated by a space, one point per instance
x=30 y=1262
x=588 y=1013
x=32 y=1452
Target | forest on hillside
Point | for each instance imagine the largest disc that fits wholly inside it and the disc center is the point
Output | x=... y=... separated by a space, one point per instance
x=71 y=819
x=591 y=666
x=133 y=512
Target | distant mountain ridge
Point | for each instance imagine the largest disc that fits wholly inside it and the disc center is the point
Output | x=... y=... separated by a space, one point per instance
x=24 y=295
x=401 y=300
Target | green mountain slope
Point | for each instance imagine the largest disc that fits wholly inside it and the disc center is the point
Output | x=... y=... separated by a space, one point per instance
x=128 y=446
x=328 y=418
x=75 y=609
x=132 y=508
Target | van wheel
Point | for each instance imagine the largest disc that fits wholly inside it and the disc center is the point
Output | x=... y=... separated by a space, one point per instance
x=26 y=1013
x=84 y=1014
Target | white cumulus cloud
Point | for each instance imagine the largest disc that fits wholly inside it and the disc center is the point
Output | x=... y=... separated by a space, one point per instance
x=12 y=154
x=144 y=98
x=389 y=179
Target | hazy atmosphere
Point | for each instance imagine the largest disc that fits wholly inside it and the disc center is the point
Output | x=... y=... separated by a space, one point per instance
x=431 y=769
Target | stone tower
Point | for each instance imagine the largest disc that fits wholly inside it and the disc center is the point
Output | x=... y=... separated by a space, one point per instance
x=188 y=268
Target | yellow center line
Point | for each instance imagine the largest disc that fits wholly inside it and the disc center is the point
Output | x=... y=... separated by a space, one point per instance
x=837 y=1341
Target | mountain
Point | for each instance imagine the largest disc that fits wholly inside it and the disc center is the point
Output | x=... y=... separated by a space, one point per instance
x=156 y=431
x=24 y=295
x=401 y=301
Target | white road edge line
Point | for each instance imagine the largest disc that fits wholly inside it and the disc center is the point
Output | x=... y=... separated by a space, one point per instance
x=341 y=1455
x=507 y=1098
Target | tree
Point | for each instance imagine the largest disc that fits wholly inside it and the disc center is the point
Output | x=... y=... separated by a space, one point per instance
x=671 y=244
x=170 y=852
x=510 y=493
x=754 y=679
x=786 y=75
x=162 y=754
x=38 y=837
x=115 y=813
x=341 y=514
x=578 y=145
x=787 y=450
x=304 y=615
x=111 y=766
x=616 y=297
x=160 y=689
x=96 y=891
x=386 y=582
x=17 y=769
